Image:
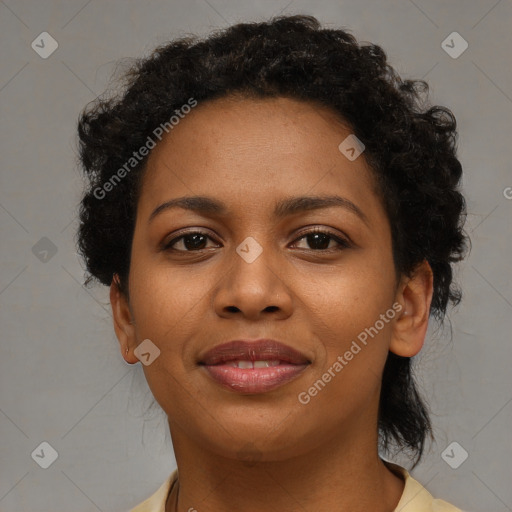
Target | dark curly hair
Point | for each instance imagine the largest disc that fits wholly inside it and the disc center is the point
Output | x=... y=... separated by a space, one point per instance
x=410 y=146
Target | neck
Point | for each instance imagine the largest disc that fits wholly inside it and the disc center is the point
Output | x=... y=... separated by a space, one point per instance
x=339 y=474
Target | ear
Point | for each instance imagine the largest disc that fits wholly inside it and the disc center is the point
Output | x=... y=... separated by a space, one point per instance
x=124 y=325
x=414 y=295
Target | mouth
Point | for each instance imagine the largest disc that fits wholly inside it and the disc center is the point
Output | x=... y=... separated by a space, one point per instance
x=253 y=366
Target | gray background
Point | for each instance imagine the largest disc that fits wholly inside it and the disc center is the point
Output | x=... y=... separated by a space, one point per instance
x=62 y=378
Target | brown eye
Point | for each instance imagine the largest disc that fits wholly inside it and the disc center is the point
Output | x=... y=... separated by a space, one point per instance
x=320 y=240
x=190 y=242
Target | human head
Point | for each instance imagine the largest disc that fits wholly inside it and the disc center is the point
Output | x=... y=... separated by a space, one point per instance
x=409 y=147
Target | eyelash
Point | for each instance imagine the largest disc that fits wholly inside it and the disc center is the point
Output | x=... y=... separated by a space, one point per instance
x=343 y=244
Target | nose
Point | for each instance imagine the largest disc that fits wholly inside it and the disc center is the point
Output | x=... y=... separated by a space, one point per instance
x=253 y=289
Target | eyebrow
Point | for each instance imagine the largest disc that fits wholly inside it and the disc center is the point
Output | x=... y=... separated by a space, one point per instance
x=283 y=208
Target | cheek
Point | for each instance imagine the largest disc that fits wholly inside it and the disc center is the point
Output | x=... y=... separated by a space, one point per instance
x=354 y=343
x=353 y=296
x=346 y=319
x=162 y=298
x=166 y=308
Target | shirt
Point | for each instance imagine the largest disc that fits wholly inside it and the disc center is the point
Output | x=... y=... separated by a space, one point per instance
x=415 y=498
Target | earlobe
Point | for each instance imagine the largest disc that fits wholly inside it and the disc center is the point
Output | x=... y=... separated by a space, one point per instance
x=124 y=325
x=415 y=296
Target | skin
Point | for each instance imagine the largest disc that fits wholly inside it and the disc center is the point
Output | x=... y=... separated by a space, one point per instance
x=268 y=451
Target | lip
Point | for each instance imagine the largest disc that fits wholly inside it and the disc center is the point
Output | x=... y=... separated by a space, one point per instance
x=255 y=350
x=253 y=380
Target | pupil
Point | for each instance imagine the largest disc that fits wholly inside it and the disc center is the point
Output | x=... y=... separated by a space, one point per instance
x=196 y=237
x=318 y=238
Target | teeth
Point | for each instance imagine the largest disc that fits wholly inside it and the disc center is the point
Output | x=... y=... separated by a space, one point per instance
x=266 y=364
x=250 y=364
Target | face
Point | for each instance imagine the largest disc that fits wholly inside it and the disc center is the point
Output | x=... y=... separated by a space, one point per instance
x=200 y=278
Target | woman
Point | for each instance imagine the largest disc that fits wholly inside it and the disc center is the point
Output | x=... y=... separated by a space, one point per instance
x=277 y=214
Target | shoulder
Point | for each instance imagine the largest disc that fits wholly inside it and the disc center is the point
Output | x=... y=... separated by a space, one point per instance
x=156 y=502
x=415 y=498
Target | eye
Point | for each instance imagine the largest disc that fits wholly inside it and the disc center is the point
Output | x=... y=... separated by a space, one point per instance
x=320 y=240
x=191 y=241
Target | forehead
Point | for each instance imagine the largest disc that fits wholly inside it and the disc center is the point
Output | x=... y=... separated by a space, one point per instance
x=254 y=150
